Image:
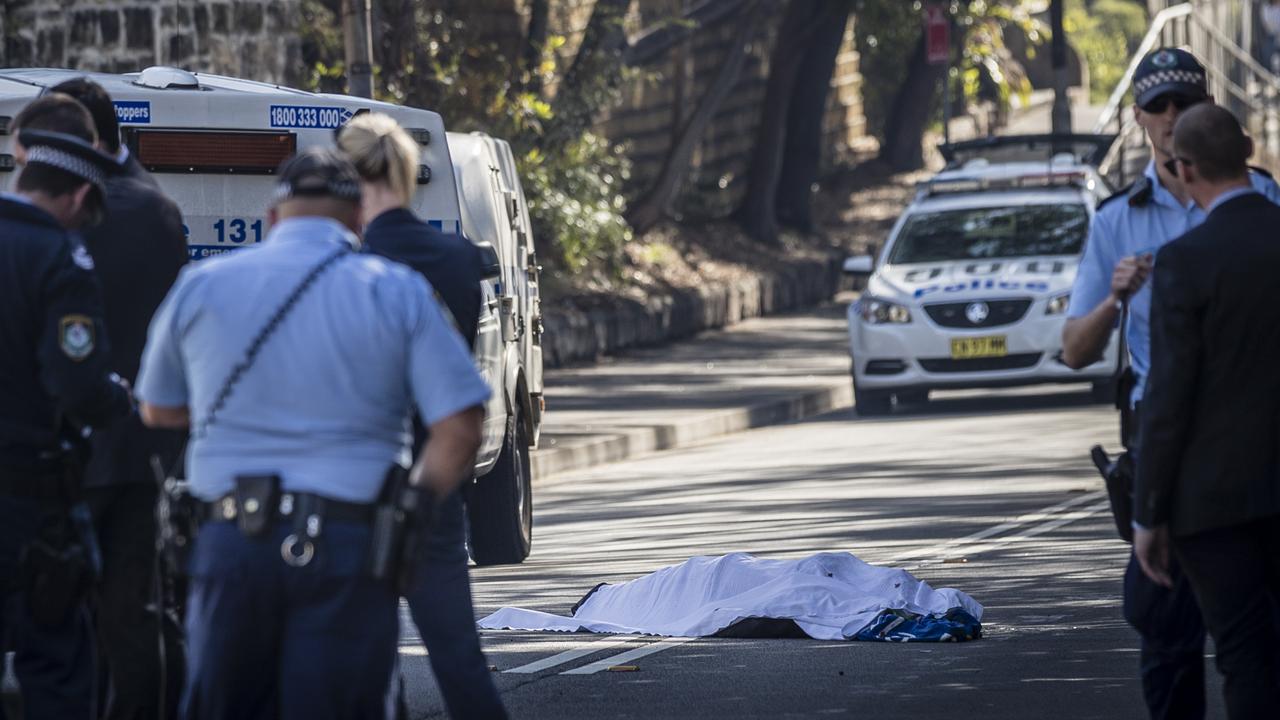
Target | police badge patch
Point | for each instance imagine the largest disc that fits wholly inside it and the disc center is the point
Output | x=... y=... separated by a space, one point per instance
x=75 y=336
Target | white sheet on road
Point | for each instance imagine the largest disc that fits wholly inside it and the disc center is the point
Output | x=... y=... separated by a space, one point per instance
x=830 y=596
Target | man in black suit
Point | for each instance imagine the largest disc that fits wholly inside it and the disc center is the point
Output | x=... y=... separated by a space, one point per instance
x=1208 y=486
x=138 y=250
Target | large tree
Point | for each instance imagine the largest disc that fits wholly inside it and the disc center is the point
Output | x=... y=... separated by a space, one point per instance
x=800 y=46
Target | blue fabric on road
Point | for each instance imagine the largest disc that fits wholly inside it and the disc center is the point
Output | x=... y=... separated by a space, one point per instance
x=956 y=625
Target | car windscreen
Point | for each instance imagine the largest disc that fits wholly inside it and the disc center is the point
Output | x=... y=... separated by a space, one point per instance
x=992 y=232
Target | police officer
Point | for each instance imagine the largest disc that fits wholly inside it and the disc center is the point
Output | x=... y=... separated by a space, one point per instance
x=137 y=250
x=1127 y=230
x=54 y=372
x=440 y=601
x=298 y=364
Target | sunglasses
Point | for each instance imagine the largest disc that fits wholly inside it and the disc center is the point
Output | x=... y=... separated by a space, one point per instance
x=1172 y=164
x=1161 y=103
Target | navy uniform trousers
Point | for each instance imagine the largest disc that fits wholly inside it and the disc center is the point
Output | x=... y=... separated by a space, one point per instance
x=440 y=603
x=1172 y=632
x=54 y=665
x=267 y=640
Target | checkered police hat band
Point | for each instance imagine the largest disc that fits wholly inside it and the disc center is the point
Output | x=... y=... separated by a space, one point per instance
x=66 y=162
x=1162 y=77
x=341 y=189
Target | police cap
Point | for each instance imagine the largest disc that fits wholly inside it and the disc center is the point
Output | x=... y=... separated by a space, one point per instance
x=1169 y=70
x=318 y=172
x=69 y=154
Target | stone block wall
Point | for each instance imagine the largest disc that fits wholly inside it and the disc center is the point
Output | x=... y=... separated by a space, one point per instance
x=255 y=39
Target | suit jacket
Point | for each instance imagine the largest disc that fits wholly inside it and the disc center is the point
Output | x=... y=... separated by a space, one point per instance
x=137 y=250
x=1210 y=443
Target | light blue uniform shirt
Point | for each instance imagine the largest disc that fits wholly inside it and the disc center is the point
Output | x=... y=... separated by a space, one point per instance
x=1119 y=231
x=326 y=403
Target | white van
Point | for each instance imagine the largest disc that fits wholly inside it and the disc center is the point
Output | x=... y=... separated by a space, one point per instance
x=509 y=346
x=213 y=143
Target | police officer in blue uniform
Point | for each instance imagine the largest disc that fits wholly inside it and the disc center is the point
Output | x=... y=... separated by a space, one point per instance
x=297 y=364
x=440 y=600
x=1127 y=231
x=137 y=249
x=54 y=374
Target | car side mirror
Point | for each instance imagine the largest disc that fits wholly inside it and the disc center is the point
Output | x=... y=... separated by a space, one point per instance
x=859 y=265
x=490 y=263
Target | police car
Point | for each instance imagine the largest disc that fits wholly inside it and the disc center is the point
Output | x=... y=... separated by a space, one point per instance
x=971 y=288
x=214 y=142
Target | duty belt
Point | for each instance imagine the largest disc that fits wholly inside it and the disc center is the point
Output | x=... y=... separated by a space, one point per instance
x=226 y=508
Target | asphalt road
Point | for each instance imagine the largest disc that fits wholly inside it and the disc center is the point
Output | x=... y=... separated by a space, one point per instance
x=992 y=494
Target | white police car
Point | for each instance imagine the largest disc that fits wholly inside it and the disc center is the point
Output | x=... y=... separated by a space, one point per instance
x=972 y=287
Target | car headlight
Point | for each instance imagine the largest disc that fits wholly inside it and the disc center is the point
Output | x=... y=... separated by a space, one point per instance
x=878 y=312
x=1057 y=304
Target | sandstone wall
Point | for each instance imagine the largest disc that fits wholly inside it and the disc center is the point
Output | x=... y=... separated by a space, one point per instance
x=255 y=39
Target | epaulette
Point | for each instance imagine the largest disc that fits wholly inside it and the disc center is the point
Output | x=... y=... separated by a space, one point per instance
x=1261 y=171
x=1138 y=193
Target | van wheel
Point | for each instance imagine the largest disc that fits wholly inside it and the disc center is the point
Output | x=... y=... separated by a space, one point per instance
x=871 y=403
x=500 y=504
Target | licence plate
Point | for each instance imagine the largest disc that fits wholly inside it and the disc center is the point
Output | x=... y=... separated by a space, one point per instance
x=978 y=347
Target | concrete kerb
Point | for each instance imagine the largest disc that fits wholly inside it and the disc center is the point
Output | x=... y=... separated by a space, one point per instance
x=598 y=446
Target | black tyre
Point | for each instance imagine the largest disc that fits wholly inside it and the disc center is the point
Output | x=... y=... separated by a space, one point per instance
x=500 y=504
x=871 y=403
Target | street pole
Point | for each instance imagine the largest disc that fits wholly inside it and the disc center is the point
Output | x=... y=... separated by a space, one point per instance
x=358 y=46
x=1061 y=114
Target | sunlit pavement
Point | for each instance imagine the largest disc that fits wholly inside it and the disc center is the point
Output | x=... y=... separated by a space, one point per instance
x=992 y=494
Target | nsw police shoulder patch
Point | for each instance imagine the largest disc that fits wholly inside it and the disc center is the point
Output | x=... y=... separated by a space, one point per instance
x=76 y=336
x=81 y=257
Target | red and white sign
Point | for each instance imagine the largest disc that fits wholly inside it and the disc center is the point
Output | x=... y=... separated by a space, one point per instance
x=937 y=35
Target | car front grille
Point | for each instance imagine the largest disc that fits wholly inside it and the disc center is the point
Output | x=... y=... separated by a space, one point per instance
x=997 y=313
x=1017 y=361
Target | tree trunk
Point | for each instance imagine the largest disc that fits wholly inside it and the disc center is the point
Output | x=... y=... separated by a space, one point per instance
x=802 y=153
x=757 y=214
x=909 y=114
x=653 y=206
x=534 y=44
x=594 y=75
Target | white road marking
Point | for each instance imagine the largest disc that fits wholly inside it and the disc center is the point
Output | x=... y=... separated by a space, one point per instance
x=627 y=657
x=1031 y=532
x=1032 y=517
x=569 y=656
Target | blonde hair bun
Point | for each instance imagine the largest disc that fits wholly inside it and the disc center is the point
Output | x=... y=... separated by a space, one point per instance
x=382 y=152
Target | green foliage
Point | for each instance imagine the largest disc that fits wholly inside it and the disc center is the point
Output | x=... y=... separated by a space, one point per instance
x=321 y=35
x=575 y=197
x=1106 y=34
x=888 y=31
x=427 y=58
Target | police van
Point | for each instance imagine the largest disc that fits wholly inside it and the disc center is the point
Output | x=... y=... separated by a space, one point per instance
x=214 y=142
x=509 y=344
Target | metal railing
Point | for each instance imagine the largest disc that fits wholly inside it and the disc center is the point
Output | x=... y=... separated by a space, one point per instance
x=1236 y=80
